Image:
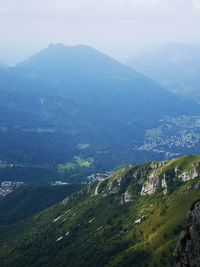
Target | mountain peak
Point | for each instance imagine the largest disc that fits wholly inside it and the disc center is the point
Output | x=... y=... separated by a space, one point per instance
x=62 y=47
x=59 y=54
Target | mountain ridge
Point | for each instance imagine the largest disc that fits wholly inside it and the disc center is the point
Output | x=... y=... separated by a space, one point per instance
x=109 y=228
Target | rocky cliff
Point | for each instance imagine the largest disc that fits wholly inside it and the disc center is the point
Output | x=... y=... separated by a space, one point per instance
x=187 y=252
x=168 y=174
x=151 y=178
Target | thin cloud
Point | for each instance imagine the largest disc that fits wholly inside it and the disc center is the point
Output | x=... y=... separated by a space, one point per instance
x=97 y=8
x=196 y=4
x=116 y=27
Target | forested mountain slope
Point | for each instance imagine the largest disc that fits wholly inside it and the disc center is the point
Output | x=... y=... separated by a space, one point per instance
x=132 y=218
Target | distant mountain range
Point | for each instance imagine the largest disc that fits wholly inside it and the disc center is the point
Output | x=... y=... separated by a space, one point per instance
x=68 y=107
x=175 y=66
x=74 y=114
x=132 y=218
x=90 y=77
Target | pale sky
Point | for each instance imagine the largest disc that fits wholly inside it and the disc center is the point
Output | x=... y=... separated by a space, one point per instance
x=116 y=27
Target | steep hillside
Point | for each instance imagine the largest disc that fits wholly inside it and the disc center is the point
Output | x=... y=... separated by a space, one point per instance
x=133 y=218
x=31 y=199
x=68 y=103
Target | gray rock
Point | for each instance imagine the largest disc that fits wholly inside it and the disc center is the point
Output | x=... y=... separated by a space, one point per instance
x=126 y=197
x=187 y=252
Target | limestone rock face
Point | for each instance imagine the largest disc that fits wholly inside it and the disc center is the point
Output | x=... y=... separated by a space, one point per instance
x=187 y=252
x=186 y=176
x=147 y=179
x=152 y=185
x=157 y=180
x=126 y=197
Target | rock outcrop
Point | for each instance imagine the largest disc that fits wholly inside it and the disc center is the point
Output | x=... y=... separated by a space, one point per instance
x=147 y=179
x=161 y=178
x=187 y=252
x=126 y=197
x=188 y=175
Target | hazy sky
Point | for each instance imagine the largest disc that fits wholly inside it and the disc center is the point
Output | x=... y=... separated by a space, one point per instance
x=117 y=27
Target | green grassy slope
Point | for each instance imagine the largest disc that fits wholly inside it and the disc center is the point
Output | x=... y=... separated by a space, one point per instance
x=31 y=199
x=95 y=227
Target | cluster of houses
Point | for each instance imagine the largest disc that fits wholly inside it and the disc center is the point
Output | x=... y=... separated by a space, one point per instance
x=7 y=187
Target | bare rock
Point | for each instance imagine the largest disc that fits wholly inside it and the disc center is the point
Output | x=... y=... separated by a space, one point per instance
x=187 y=252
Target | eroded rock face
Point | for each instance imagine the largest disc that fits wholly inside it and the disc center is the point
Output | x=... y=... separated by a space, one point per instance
x=152 y=185
x=156 y=181
x=126 y=197
x=186 y=176
x=187 y=252
x=150 y=178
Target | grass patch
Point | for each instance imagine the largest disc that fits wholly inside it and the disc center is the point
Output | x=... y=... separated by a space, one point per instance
x=77 y=162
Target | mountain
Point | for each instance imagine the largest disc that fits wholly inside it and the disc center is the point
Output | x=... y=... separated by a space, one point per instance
x=174 y=66
x=90 y=77
x=132 y=218
x=70 y=111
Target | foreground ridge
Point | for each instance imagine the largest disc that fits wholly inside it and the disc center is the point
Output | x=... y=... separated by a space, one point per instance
x=111 y=223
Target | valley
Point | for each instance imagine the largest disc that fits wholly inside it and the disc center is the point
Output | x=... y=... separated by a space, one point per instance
x=67 y=134
x=169 y=137
x=100 y=133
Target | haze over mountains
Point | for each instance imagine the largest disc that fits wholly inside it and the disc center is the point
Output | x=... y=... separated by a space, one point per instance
x=103 y=82
x=99 y=156
x=175 y=66
x=66 y=103
x=70 y=116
